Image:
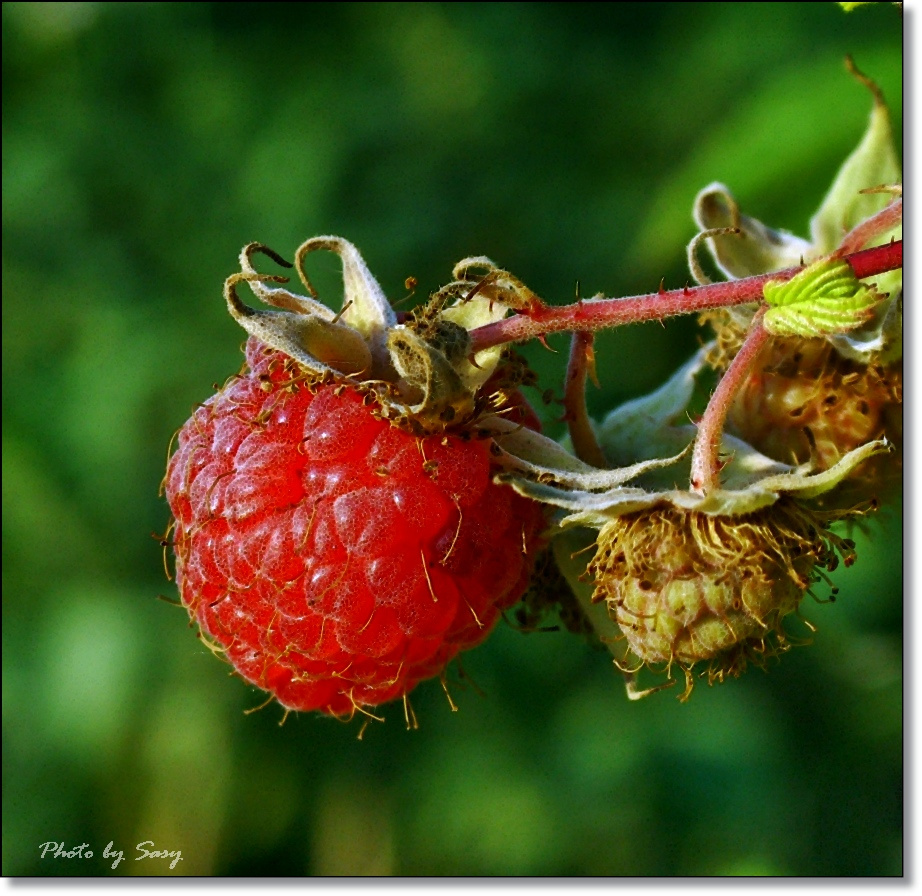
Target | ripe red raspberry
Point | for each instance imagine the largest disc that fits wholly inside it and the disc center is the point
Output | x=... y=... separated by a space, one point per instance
x=336 y=559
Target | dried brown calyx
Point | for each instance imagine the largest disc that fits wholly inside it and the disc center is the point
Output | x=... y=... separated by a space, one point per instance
x=421 y=369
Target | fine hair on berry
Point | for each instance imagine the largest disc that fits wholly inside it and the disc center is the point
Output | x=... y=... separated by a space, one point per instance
x=332 y=556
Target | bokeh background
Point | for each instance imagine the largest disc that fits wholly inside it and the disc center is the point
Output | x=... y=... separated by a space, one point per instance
x=143 y=145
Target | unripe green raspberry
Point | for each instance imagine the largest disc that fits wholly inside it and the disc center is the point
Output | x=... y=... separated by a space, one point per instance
x=689 y=588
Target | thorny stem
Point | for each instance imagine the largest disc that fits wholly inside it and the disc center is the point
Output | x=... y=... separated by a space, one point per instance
x=705 y=463
x=597 y=314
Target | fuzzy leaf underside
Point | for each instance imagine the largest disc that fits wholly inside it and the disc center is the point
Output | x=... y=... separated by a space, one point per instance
x=756 y=249
x=881 y=338
x=756 y=482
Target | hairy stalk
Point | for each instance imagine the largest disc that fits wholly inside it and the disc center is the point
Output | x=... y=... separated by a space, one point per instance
x=705 y=464
x=886 y=219
x=598 y=314
x=582 y=361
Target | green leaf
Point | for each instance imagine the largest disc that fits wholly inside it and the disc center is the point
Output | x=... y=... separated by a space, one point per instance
x=823 y=299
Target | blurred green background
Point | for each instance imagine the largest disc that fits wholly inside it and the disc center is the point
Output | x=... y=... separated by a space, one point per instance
x=143 y=145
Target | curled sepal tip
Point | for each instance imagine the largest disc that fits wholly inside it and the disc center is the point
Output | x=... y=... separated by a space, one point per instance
x=741 y=246
x=365 y=306
x=318 y=344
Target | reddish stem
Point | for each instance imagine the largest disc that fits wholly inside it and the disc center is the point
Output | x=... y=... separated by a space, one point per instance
x=582 y=362
x=705 y=464
x=886 y=219
x=878 y=260
x=598 y=314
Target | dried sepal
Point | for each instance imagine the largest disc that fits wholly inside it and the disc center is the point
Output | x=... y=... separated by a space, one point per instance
x=419 y=368
x=743 y=246
x=365 y=306
x=318 y=344
x=480 y=294
x=276 y=296
x=434 y=392
x=496 y=284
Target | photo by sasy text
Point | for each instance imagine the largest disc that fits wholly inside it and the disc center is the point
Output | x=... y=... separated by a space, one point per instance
x=145 y=850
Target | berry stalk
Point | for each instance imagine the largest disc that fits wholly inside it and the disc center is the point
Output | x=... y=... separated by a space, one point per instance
x=705 y=464
x=581 y=363
x=589 y=315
